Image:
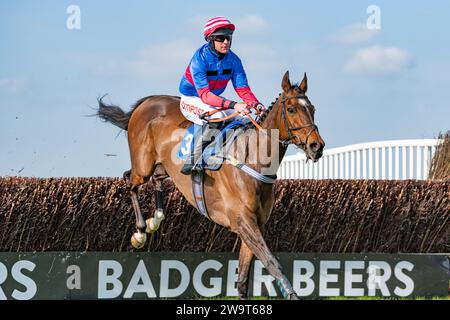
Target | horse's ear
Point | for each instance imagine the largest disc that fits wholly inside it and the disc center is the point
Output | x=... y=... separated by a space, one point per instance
x=304 y=84
x=286 y=83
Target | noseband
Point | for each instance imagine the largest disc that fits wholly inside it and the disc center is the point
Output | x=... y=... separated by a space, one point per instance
x=289 y=130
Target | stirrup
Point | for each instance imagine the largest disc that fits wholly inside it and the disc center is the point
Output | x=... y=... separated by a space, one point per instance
x=187 y=169
x=197 y=168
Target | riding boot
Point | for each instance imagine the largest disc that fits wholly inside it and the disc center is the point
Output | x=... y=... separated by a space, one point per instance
x=201 y=141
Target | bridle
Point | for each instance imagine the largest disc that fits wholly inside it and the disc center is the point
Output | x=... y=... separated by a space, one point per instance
x=291 y=136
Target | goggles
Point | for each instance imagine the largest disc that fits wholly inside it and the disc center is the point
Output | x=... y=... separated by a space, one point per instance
x=221 y=38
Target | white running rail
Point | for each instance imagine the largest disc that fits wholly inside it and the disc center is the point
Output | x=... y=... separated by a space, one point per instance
x=396 y=159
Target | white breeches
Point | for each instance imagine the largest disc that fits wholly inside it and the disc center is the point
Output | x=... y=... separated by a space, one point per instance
x=193 y=107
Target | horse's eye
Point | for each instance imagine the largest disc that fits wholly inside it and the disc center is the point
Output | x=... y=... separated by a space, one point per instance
x=291 y=110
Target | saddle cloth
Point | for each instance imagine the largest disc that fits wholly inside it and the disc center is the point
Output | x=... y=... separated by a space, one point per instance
x=213 y=153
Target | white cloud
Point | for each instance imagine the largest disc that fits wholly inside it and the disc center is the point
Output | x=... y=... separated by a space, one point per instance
x=12 y=86
x=265 y=60
x=379 y=60
x=196 y=23
x=161 y=60
x=355 y=33
x=251 y=24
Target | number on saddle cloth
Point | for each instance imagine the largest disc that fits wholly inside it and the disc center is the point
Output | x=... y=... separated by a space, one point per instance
x=214 y=148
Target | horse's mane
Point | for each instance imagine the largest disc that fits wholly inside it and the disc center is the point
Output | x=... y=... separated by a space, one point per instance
x=273 y=103
x=269 y=109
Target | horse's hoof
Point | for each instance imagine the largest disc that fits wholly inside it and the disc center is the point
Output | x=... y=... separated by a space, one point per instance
x=154 y=222
x=151 y=225
x=138 y=240
x=293 y=296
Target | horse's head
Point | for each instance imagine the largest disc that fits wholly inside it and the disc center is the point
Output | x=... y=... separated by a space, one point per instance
x=296 y=119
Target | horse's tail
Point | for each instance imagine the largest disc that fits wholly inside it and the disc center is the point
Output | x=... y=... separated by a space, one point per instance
x=113 y=114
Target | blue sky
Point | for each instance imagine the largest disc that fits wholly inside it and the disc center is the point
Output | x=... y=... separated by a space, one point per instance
x=366 y=85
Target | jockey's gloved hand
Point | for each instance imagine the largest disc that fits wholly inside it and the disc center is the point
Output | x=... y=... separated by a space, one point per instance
x=242 y=108
x=260 y=107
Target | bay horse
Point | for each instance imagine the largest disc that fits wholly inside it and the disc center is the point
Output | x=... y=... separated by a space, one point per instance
x=234 y=199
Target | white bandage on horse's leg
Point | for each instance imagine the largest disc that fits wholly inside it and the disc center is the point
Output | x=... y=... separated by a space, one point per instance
x=138 y=240
x=159 y=214
x=153 y=223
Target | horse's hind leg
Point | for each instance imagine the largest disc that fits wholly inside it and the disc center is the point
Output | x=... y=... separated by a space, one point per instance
x=245 y=260
x=158 y=177
x=143 y=161
x=139 y=238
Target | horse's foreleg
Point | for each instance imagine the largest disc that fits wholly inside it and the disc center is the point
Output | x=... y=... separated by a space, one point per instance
x=250 y=233
x=139 y=238
x=245 y=260
x=158 y=178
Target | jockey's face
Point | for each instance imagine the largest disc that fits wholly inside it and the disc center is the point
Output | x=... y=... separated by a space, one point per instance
x=222 y=44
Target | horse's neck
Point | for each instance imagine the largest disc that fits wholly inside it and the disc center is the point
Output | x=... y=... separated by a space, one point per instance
x=269 y=152
x=272 y=125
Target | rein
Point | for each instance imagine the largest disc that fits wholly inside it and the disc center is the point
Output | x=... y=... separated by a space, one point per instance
x=283 y=115
x=210 y=113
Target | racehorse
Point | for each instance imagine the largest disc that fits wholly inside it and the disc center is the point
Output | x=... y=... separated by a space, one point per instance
x=234 y=199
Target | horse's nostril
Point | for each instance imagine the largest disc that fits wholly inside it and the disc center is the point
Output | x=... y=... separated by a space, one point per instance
x=314 y=146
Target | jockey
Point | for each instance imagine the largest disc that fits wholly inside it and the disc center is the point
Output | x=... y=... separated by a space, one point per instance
x=205 y=79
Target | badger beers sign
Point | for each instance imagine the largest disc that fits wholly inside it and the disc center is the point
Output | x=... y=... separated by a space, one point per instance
x=101 y=275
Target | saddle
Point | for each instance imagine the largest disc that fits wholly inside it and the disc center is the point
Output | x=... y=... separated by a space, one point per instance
x=216 y=151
